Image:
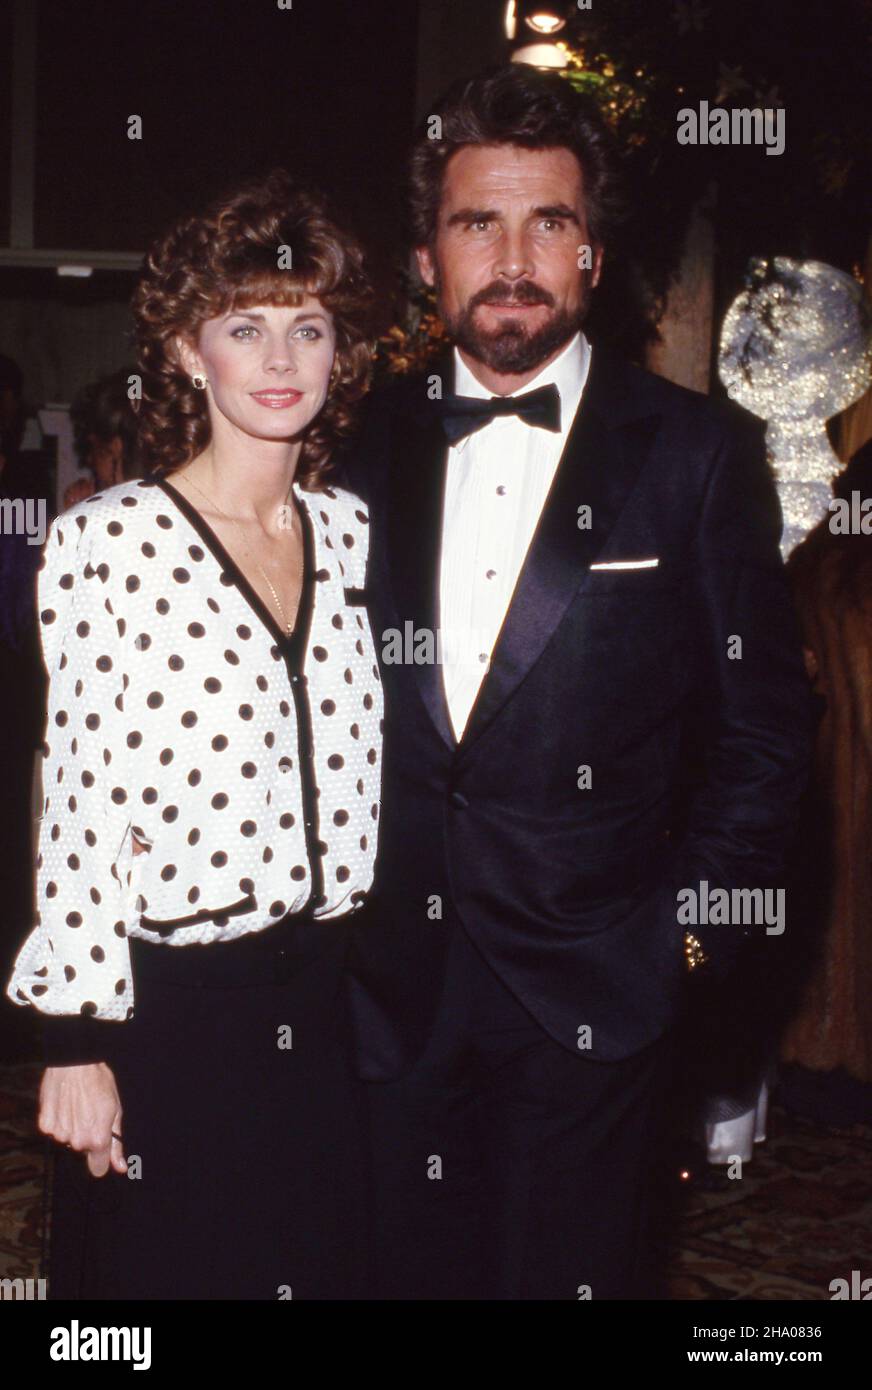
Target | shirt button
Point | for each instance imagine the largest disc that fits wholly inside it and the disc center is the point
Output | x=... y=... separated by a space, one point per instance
x=491 y=574
x=501 y=491
x=483 y=657
x=459 y=801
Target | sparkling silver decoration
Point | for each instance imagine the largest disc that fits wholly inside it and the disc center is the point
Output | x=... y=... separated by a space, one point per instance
x=795 y=349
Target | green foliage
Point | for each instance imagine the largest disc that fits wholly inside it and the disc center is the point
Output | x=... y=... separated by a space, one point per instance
x=641 y=62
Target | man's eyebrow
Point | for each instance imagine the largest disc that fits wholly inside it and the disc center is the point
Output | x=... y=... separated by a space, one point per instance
x=562 y=210
x=472 y=215
x=465 y=215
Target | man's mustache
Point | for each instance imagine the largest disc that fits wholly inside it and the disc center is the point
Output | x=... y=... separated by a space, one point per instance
x=525 y=292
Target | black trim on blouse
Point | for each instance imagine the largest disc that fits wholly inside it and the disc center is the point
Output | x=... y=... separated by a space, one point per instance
x=226 y=560
x=294 y=653
x=292 y=648
x=219 y=915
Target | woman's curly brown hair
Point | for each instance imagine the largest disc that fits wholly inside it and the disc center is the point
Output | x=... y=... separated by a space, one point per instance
x=226 y=259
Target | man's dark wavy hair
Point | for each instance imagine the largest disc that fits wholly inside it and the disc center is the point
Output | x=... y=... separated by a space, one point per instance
x=515 y=104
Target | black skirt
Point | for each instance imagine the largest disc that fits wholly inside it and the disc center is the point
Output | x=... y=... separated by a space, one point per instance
x=242 y=1126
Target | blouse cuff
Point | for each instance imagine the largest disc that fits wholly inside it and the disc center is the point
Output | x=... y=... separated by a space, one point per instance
x=74 y=1040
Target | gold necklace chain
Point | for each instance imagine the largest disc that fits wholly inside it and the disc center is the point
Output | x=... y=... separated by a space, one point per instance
x=288 y=627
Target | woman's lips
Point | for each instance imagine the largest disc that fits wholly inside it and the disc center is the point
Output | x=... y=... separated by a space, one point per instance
x=276 y=400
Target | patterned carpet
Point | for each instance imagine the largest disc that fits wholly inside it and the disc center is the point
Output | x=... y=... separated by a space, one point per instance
x=801 y=1215
x=22 y=1170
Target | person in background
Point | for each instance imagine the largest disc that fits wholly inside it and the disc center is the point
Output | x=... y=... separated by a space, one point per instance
x=24 y=484
x=24 y=467
x=12 y=414
x=104 y=425
x=831 y=576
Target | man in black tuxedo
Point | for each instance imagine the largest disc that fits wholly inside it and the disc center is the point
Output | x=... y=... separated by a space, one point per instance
x=574 y=565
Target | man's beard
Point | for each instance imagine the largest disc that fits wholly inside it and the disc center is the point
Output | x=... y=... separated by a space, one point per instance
x=511 y=348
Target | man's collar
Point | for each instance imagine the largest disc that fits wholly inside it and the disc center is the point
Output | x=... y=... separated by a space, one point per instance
x=568 y=372
x=615 y=390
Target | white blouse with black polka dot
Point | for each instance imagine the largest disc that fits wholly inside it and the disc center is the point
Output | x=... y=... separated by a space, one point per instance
x=178 y=712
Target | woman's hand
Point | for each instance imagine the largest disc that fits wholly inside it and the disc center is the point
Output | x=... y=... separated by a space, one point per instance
x=79 y=1107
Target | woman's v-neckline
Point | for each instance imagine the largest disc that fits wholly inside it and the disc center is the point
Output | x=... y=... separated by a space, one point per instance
x=298 y=637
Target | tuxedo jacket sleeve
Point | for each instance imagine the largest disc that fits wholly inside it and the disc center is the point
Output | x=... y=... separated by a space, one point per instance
x=752 y=698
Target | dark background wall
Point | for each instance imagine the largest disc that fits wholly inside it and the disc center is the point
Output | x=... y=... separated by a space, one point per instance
x=331 y=89
x=226 y=89
x=223 y=90
x=5 y=115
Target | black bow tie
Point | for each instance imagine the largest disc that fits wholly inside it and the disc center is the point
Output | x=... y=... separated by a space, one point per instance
x=463 y=415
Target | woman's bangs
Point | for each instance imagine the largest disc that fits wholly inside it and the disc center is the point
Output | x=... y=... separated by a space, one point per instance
x=268 y=287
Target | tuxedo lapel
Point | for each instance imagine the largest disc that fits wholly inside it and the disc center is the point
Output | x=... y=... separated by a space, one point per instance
x=419 y=458
x=606 y=447
x=604 y=452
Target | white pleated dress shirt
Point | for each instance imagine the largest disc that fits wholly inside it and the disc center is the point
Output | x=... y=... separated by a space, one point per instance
x=180 y=711
x=497 y=481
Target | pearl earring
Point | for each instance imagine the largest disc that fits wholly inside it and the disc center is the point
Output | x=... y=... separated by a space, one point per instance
x=199 y=380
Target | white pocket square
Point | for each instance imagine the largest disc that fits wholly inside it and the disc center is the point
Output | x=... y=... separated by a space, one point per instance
x=626 y=564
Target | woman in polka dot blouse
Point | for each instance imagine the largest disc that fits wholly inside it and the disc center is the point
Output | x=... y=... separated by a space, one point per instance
x=211 y=783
